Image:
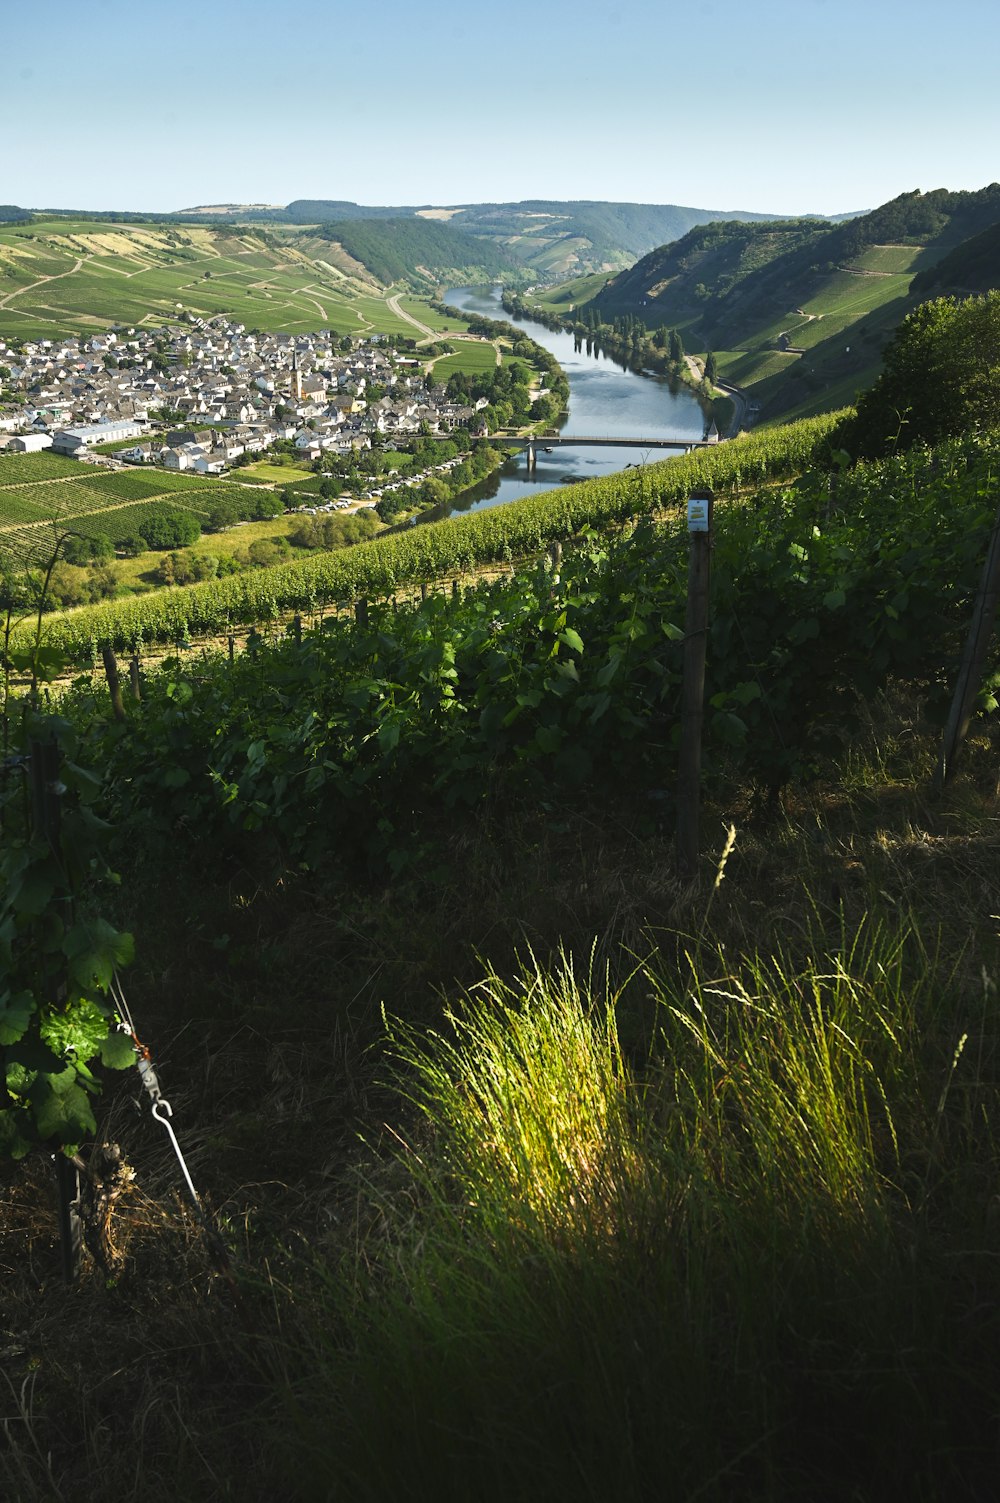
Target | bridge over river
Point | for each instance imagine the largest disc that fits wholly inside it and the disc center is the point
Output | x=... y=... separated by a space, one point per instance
x=548 y=443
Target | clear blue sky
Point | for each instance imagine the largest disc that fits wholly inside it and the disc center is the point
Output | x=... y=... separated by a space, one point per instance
x=780 y=106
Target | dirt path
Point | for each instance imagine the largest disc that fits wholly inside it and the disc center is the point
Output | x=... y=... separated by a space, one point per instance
x=393 y=303
x=55 y=277
x=436 y=335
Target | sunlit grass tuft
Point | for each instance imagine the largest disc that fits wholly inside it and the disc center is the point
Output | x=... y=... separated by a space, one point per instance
x=683 y=1272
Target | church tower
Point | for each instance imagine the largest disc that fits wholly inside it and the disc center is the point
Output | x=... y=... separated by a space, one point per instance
x=296 y=377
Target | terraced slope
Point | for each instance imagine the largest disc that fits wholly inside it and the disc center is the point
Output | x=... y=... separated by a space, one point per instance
x=61 y=276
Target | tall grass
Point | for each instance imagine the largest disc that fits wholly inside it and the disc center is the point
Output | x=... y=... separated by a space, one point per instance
x=743 y=1264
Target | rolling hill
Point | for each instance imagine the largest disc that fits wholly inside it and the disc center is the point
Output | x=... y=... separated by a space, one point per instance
x=552 y=238
x=62 y=276
x=798 y=311
x=421 y=251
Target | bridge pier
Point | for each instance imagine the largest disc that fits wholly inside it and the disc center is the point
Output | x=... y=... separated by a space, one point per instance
x=532 y=459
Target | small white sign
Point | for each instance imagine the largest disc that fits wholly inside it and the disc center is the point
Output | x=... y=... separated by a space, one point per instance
x=697 y=514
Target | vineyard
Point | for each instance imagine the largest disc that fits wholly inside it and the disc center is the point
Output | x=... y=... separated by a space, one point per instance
x=510 y=1145
x=435 y=551
x=572 y=678
x=39 y=489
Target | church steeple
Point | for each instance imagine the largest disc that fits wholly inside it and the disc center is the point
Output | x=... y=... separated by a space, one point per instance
x=296 y=376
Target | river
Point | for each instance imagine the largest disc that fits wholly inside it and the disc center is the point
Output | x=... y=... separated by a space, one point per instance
x=604 y=399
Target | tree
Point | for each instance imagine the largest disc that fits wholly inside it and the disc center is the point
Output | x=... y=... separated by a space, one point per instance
x=676 y=346
x=268 y=551
x=170 y=527
x=711 y=368
x=221 y=514
x=940 y=377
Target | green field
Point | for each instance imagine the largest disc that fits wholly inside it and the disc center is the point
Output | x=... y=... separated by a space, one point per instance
x=60 y=277
x=279 y=474
x=570 y=295
x=471 y=359
x=42 y=494
x=745 y=367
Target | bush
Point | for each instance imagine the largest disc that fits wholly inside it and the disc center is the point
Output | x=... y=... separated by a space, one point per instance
x=940 y=378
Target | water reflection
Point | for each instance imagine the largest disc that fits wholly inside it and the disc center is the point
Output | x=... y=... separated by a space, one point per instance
x=606 y=400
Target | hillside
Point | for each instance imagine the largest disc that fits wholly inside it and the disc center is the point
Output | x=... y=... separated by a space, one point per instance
x=555 y=238
x=561 y=239
x=523 y=1159
x=421 y=251
x=63 y=276
x=797 y=311
x=973 y=266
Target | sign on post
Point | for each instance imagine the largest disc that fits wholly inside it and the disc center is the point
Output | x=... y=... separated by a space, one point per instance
x=699 y=513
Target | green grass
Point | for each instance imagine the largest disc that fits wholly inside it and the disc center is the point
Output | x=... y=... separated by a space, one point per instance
x=571 y=294
x=744 y=368
x=17 y=469
x=684 y=1271
x=471 y=359
x=898 y=260
x=94 y=502
x=139 y=274
x=281 y=474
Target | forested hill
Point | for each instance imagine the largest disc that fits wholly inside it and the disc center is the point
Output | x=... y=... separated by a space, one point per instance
x=732 y=277
x=396 y=250
x=973 y=266
x=555 y=238
x=336 y=210
x=798 y=311
x=690 y=278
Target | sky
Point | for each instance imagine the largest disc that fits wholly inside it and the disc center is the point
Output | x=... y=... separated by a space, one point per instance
x=775 y=106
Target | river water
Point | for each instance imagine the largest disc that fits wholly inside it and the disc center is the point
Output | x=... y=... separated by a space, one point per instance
x=605 y=399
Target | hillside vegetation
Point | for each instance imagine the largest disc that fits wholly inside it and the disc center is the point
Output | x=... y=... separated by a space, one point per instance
x=737 y=1140
x=517 y=1161
x=396 y=250
x=60 y=276
x=798 y=312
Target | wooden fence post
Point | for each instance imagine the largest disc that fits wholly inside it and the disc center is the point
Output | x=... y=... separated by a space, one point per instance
x=133 y=675
x=297 y=629
x=114 y=682
x=46 y=812
x=970 y=671
x=700 y=507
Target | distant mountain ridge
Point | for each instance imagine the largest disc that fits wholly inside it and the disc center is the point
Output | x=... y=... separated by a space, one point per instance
x=554 y=238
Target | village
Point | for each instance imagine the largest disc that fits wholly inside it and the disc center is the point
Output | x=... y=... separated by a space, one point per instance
x=202 y=395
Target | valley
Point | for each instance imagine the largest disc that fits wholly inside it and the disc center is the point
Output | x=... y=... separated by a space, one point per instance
x=559 y=938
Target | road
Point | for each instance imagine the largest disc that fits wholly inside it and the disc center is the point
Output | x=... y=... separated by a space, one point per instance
x=735 y=395
x=394 y=303
x=41 y=281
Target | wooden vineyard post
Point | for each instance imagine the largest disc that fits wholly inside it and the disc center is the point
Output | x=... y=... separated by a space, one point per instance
x=45 y=818
x=133 y=675
x=423 y=589
x=970 y=671
x=232 y=647
x=361 y=612
x=700 y=507
x=114 y=682
x=297 y=629
x=454 y=589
